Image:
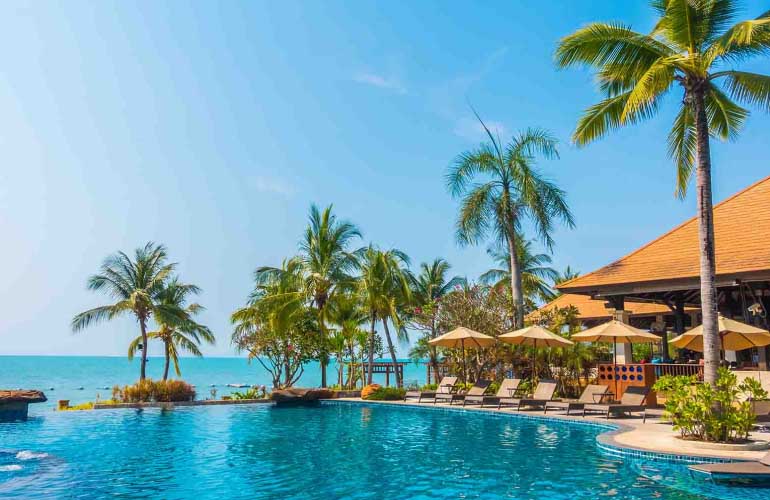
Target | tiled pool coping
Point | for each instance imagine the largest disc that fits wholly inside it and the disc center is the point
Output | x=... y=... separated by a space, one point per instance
x=604 y=441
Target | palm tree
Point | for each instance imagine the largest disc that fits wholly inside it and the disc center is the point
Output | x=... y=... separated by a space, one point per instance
x=346 y=311
x=535 y=273
x=134 y=284
x=428 y=288
x=176 y=327
x=567 y=275
x=512 y=190
x=692 y=47
x=327 y=263
x=383 y=286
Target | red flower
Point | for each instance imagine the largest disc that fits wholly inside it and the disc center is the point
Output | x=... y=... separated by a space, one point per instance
x=418 y=310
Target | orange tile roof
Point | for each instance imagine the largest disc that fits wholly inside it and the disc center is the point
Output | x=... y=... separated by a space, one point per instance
x=741 y=230
x=594 y=308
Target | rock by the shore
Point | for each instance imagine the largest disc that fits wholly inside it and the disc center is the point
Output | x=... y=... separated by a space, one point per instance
x=299 y=396
x=22 y=397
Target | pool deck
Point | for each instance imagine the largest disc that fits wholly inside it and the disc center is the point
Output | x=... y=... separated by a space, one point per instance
x=653 y=436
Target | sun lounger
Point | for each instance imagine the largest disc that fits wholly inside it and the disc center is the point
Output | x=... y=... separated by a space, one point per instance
x=750 y=473
x=632 y=400
x=508 y=388
x=447 y=385
x=543 y=393
x=591 y=394
x=478 y=389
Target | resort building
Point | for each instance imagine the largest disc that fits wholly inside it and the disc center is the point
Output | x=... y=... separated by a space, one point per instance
x=657 y=286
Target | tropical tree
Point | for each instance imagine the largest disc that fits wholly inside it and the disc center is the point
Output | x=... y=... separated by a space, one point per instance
x=176 y=327
x=383 y=286
x=347 y=313
x=327 y=264
x=535 y=273
x=134 y=284
x=511 y=191
x=567 y=275
x=429 y=287
x=692 y=47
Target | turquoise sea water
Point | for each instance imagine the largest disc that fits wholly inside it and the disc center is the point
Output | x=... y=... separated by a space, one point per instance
x=325 y=452
x=66 y=374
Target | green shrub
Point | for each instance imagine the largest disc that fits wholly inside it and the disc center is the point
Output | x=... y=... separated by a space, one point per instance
x=251 y=393
x=386 y=394
x=148 y=390
x=429 y=387
x=722 y=413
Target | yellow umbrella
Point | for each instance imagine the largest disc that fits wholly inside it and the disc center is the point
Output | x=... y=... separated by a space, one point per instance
x=733 y=336
x=458 y=338
x=533 y=336
x=615 y=331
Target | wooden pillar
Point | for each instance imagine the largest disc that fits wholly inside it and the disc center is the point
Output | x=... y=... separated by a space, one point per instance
x=387 y=375
x=623 y=351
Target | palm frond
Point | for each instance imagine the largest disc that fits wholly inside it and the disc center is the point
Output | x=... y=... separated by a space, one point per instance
x=748 y=88
x=725 y=117
x=682 y=146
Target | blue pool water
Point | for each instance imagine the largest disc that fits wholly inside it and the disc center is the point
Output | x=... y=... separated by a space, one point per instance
x=335 y=450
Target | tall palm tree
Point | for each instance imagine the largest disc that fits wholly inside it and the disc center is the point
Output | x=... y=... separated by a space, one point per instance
x=692 y=47
x=176 y=327
x=512 y=190
x=428 y=288
x=327 y=262
x=535 y=272
x=383 y=286
x=134 y=285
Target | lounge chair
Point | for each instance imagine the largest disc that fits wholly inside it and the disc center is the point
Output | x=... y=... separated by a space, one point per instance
x=447 y=385
x=508 y=388
x=543 y=393
x=632 y=400
x=753 y=473
x=587 y=397
x=478 y=389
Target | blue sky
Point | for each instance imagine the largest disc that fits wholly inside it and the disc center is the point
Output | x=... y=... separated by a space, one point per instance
x=211 y=127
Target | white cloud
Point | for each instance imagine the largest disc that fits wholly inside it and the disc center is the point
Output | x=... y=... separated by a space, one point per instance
x=388 y=83
x=273 y=185
x=469 y=128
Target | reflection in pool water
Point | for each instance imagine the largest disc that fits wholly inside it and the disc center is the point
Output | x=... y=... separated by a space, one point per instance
x=331 y=451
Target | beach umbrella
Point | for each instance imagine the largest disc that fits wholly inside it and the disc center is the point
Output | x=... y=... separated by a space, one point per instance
x=534 y=336
x=613 y=332
x=463 y=338
x=733 y=336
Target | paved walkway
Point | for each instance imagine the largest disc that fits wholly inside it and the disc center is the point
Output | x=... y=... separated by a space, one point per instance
x=654 y=436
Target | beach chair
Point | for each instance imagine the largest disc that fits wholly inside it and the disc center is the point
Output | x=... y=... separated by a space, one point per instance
x=543 y=393
x=508 y=388
x=748 y=473
x=632 y=400
x=591 y=394
x=478 y=389
x=447 y=385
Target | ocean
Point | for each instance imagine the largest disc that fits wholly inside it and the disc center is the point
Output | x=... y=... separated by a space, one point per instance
x=84 y=378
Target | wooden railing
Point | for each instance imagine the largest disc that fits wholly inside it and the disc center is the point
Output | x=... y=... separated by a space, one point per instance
x=678 y=369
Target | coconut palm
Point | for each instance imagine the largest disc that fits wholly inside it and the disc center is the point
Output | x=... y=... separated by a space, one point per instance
x=134 y=284
x=511 y=190
x=692 y=48
x=383 y=286
x=347 y=313
x=176 y=327
x=535 y=273
x=567 y=275
x=428 y=288
x=327 y=263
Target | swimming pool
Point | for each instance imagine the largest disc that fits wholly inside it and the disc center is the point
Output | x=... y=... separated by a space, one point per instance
x=331 y=451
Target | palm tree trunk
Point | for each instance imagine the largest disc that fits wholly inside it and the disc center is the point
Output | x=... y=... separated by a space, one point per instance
x=399 y=382
x=143 y=327
x=168 y=360
x=323 y=358
x=708 y=292
x=371 y=352
x=516 y=287
x=432 y=352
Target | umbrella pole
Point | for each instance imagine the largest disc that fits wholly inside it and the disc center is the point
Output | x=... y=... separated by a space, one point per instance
x=534 y=353
x=615 y=364
x=465 y=368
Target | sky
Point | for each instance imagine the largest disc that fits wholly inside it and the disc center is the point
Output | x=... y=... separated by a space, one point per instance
x=211 y=127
